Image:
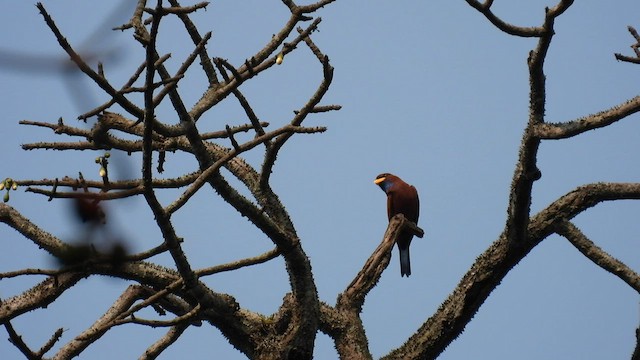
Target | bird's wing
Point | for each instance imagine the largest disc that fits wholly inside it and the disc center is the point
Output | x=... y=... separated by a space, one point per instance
x=391 y=210
x=417 y=204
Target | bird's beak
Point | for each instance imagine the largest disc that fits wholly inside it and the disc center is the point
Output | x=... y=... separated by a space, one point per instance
x=379 y=180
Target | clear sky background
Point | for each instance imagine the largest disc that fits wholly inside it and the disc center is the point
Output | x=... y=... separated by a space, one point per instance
x=432 y=92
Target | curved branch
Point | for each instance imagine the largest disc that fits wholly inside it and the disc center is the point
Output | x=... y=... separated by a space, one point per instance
x=485 y=9
x=343 y=323
x=272 y=151
x=597 y=255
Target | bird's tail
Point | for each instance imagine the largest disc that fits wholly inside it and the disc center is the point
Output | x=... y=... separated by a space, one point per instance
x=405 y=263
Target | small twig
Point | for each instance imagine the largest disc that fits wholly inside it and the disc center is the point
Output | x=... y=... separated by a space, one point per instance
x=16 y=273
x=177 y=9
x=85 y=68
x=111 y=195
x=597 y=255
x=164 y=342
x=164 y=82
x=635 y=47
x=325 y=108
x=151 y=299
x=255 y=122
x=110 y=103
x=162 y=156
x=269 y=255
x=235 y=129
x=636 y=350
x=183 y=69
x=223 y=64
x=236 y=147
x=163 y=323
x=215 y=167
x=272 y=152
x=17 y=341
x=205 y=59
x=304 y=34
x=52 y=341
x=53 y=189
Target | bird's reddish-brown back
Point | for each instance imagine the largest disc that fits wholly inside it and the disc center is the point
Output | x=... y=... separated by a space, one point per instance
x=402 y=198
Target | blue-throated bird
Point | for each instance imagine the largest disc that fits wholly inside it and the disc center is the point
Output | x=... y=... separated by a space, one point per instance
x=402 y=198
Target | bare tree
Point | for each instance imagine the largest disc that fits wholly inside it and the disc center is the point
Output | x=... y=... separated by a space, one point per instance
x=180 y=291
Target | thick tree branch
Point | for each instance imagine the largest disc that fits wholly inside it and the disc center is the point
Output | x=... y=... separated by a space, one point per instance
x=29 y=230
x=526 y=171
x=349 y=336
x=492 y=266
x=353 y=297
x=39 y=296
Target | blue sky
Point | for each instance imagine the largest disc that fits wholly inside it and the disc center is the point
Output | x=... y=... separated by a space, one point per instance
x=432 y=92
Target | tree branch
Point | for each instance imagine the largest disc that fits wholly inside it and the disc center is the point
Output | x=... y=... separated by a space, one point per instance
x=38 y=296
x=485 y=9
x=17 y=341
x=636 y=350
x=599 y=257
x=526 y=171
x=492 y=266
x=635 y=47
x=164 y=342
x=349 y=336
x=119 y=98
x=354 y=295
x=102 y=325
x=591 y=122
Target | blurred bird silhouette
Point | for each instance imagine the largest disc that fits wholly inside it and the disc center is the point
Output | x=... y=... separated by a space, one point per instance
x=402 y=198
x=99 y=46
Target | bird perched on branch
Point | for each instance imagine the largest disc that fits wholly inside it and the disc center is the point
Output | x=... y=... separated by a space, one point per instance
x=402 y=198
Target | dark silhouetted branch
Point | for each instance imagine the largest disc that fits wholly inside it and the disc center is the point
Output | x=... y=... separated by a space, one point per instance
x=635 y=47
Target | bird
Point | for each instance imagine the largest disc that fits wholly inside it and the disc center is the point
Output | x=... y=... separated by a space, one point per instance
x=402 y=198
